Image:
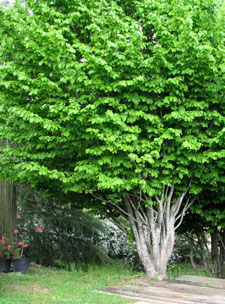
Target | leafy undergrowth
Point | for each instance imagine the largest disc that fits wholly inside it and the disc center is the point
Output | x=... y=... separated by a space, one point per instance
x=46 y=285
x=177 y=270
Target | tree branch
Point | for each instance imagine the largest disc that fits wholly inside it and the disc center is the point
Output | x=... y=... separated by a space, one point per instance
x=144 y=221
x=124 y=213
x=181 y=216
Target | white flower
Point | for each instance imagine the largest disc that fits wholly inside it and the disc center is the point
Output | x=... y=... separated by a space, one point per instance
x=83 y=60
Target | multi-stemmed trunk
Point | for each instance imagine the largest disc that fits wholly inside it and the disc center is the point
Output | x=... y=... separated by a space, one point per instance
x=154 y=221
x=154 y=225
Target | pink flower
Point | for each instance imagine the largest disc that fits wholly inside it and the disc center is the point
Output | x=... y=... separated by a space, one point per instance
x=16 y=231
x=40 y=228
x=18 y=217
x=8 y=246
x=3 y=240
x=25 y=245
x=20 y=243
x=83 y=60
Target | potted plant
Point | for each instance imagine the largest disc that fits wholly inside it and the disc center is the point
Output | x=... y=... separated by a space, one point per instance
x=5 y=255
x=21 y=263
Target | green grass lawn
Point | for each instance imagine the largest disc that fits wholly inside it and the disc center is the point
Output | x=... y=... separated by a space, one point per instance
x=46 y=285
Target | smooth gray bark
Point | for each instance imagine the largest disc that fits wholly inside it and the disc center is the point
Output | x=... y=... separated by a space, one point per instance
x=154 y=227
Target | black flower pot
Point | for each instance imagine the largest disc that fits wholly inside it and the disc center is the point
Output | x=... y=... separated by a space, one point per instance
x=5 y=265
x=21 y=265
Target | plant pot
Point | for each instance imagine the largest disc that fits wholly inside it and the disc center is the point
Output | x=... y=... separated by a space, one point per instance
x=5 y=265
x=21 y=265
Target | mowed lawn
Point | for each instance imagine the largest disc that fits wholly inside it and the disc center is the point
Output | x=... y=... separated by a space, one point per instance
x=47 y=285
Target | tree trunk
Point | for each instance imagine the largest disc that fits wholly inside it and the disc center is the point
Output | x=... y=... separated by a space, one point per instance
x=215 y=255
x=205 y=253
x=7 y=209
x=222 y=253
x=154 y=229
x=220 y=257
x=192 y=258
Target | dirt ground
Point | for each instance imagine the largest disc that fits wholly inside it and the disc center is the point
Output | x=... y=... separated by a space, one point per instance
x=184 y=290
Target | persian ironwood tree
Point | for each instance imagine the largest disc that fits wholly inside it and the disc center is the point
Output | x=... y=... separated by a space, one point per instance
x=120 y=99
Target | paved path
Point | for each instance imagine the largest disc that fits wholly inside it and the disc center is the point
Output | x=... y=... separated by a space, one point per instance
x=185 y=290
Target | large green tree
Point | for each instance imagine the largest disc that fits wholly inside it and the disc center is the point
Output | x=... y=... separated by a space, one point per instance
x=120 y=99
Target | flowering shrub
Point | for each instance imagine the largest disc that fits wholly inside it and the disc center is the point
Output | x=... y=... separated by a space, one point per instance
x=22 y=237
x=112 y=240
x=5 y=250
x=117 y=245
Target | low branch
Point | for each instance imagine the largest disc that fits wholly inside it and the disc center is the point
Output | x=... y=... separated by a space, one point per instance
x=116 y=221
x=124 y=213
x=144 y=221
x=180 y=200
x=131 y=220
x=139 y=203
x=168 y=202
x=181 y=216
